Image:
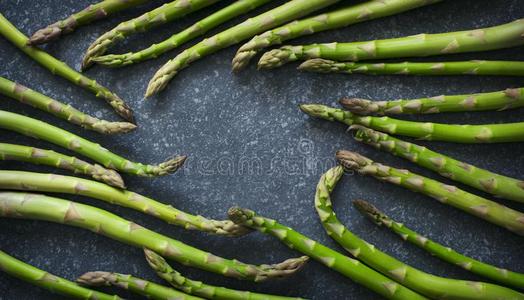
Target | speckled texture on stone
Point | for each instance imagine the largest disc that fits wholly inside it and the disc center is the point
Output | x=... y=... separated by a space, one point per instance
x=249 y=145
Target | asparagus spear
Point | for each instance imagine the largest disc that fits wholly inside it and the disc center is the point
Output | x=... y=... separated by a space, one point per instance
x=489 y=133
x=447 y=194
x=35 y=276
x=41 y=207
x=288 y=11
x=432 y=286
x=44 y=131
x=57 y=67
x=483 y=39
x=343 y=264
x=67 y=112
x=339 y=18
x=161 y=15
x=484 y=180
x=89 y=14
x=503 y=276
x=236 y=9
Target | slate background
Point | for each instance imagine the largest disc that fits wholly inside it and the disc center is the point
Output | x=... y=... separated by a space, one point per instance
x=220 y=119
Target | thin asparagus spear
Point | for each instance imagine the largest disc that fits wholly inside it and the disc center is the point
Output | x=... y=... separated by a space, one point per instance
x=67 y=112
x=339 y=18
x=503 y=276
x=286 y=12
x=57 y=67
x=161 y=15
x=343 y=264
x=41 y=207
x=458 y=133
x=482 y=39
x=484 y=180
x=89 y=14
x=44 y=131
x=236 y=9
x=447 y=194
x=35 y=276
x=432 y=286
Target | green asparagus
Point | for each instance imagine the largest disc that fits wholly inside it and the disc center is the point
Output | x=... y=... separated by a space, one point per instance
x=57 y=67
x=432 y=286
x=40 y=207
x=488 y=133
x=447 y=194
x=483 y=39
x=44 y=131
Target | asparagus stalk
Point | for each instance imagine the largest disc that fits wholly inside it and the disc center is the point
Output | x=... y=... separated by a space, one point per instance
x=35 y=276
x=41 y=207
x=446 y=194
x=236 y=9
x=67 y=112
x=339 y=18
x=89 y=14
x=161 y=15
x=29 y=181
x=44 y=131
x=432 y=286
x=488 y=133
x=343 y=264
x=484 y=180
x=288 y=11
x=482 y=39
x=179 y=282
x=57 y=67
x=503 y=276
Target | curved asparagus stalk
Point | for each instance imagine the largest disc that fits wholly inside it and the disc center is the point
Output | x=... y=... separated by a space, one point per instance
x=236 y=9
x=447 y=194
x=488 y=133
x=89 y=14
x=484 y=180
x=482 y=39
x=179 y=282
x=29 y=181
x=339 y=18
x=40 y=207
x=57 y=67
x=35 y=276
x=66 y=112
x=343 y=264
x=432 y=286
x=44 y=131
x=286 y=12
x=161 y=15
x=503 y=276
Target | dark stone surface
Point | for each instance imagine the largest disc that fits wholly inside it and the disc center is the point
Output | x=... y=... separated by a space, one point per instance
x=221 y=120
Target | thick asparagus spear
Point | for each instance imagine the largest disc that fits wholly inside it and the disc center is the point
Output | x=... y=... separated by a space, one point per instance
x=484 y=180
x=482 y=39
x=432 y=286
x=236 y=9
x=35 y=276
x=40 y=207
x=503 y=276
x=44 y=131
x=57 y=67
x=29 y=181
x=342 y=17
x=161 y=15
x=343 y=264
x=89 y=14
x=447 y=194
x=489 y=133
x=67 y=112
x=286 y=12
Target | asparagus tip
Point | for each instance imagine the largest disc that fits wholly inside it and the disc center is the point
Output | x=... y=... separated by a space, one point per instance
x=108 y=176
x=273 y=59
x=368 y=210
x=314 y=110
x=97 y=278
x=352 y=160
x=171 y=165
x=241 y=60
x=239 y=215
x=359 y=106
x=316 y=65
x=45 y=35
